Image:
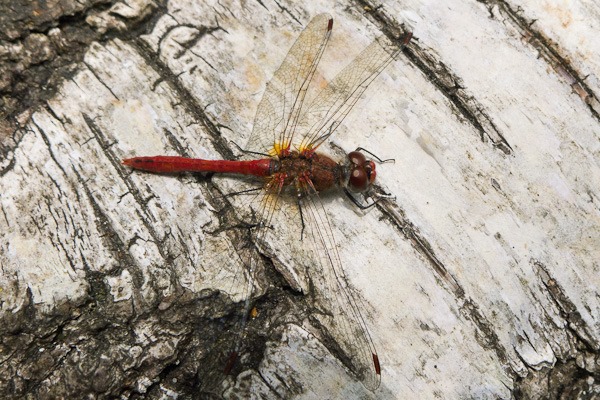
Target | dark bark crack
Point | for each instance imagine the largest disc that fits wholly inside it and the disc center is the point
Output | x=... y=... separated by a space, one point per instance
x=548 y=51
x=448 y=84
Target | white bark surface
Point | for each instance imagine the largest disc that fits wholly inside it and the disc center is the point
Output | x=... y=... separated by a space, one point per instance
x=482 y=270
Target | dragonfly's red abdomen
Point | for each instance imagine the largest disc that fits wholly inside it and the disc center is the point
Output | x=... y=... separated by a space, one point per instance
x=173 y=164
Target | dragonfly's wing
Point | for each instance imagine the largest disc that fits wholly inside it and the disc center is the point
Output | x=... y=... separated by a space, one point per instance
x=278 y=112
x=337 y=315
x=339 y=312
x=254 y=209
x=260 y=210
x=322 y=116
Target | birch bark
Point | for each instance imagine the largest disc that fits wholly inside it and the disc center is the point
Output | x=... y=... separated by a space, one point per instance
x=478 y=280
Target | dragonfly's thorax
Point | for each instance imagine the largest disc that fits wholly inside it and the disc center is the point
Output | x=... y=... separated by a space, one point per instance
x=315 y=169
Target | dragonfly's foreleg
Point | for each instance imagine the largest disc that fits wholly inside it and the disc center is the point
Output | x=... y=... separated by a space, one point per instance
x=363 y=206
x=327 y=134
x=301 y=216
x=321 y=139
x=379 y=160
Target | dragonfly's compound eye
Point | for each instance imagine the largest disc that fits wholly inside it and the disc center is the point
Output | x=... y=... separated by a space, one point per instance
x=370 y=170
x=362 y=172
x=357 y=158
x=359 y=181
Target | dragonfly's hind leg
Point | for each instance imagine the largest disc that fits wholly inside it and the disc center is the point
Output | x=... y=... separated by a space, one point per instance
x=241 y=192
x=243 y=223
x=257 y=153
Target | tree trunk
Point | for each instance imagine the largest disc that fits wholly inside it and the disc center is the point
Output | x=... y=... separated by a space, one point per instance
x=477 y=279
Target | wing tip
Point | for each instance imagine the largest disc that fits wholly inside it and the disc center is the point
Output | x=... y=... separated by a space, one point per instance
x=330 y=24
x=376 y=364
x=407 y=37
x=231 y=360
x=374 y=381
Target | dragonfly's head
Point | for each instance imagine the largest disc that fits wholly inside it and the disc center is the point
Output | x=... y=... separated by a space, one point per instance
x=361 y=172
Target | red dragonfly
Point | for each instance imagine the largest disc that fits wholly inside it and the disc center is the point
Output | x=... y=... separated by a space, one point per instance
x=288 y=130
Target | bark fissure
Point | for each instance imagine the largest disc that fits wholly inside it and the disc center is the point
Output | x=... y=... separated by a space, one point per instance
x=441 y=76
x=469 y=309
x=549 y=51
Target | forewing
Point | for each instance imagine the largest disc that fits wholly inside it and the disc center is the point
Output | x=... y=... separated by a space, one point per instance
x=325 y=113
x=278 y=112
x=339 y=312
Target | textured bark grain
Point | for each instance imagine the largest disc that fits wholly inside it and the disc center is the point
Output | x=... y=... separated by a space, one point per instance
x=477 y=279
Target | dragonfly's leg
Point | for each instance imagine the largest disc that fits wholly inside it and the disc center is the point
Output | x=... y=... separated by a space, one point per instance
x=373 y=155
x=253 y=190
x=242 y=223
x=319 y=141
x=356 y=202
x=326 y=135
x=250 y=152
x=301 y=216
x=302 y=184
x=362 y=206
x=381 y=196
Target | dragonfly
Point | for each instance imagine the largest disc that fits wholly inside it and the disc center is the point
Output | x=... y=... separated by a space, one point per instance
x=285 y=144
